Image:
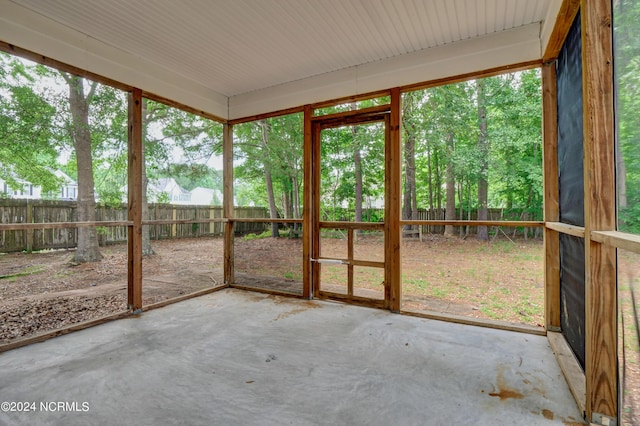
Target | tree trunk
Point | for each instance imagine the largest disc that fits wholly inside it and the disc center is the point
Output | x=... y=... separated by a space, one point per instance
x=273 y=210
x=483 y=151
x=450 y=206
x=88 y=250
x=410 y=209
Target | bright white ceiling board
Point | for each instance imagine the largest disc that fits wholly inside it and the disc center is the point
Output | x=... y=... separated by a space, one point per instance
x=501 y=49
x=199 y=52
x=41 y=35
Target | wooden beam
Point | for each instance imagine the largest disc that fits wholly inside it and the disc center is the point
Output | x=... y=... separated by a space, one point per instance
x=601 y=366
x=62 y=225
x=355 y=262
x=62 y=331
x=188 y=296
x=392 y=207
x=521 y=66
x=350 y=236
x=52 y=63
x=369 y=226
x=183 y=107
x=264 y=116
x=570 y=367
x=308 y=203
x=136 y=159
x=479 y=322
x=508 y=223
x=227 y=201
x=564 y=20
x=565 y=228
x=314 y=235
x=551 y=196
x=183 y=221
x=350 y=99
x=617 y=239
x=353 y=300
x=263 y=220
x=339 y=117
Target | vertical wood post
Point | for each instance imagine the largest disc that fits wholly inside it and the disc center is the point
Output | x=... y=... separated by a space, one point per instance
x=135 y=201
x=308 y=202
x=392 y=213
x=601 y=369
x=551 y=194
x=29 y=232
x=227 y=202
x=315 y=213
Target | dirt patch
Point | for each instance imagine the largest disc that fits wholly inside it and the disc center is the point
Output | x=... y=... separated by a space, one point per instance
x=45 y=291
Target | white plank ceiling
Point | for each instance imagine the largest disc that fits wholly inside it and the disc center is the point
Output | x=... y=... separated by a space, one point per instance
x=260 y=55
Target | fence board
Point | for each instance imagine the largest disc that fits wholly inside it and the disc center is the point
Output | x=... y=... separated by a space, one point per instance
x=51 y=211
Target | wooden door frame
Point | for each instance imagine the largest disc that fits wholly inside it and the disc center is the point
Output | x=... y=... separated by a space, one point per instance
x=313 y=129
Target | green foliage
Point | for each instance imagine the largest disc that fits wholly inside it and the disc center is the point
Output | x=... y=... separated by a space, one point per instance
x=30 y=140
x=444 y=122
x=278 y=153
x=627 y=68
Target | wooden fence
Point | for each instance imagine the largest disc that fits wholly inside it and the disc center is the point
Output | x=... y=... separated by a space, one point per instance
x=45 y=211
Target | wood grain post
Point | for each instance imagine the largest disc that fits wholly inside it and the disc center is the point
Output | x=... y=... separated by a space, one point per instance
x=315 y=206
x=392 y=213
x=227 y=202
x=307 y=207
x=29 y=232
x=134 y=282
x=601 y=366
x=551 y=194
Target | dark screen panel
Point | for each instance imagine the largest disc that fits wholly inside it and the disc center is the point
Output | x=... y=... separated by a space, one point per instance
x=571 y=187
x=570 y=129
x=572 y=293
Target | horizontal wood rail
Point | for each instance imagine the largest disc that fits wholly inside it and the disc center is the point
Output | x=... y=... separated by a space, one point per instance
x=354 y=262
x=262 y=220
x=183 y=221
x=356 y=300
x=618 y=239
x=61 y=225
x=349 y=99
x=375 y=226
x=564 y=228
x=379 y=109
x=526 y=224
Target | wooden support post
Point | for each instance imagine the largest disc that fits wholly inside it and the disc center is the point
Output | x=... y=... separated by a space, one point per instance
x=135 y=202
x=315 y=206
x=29 y=232
x=227 y=202
x=308 y=203
x=601 y=367
x=392 y=212
x=551 y=194
x=350 y=236
x=174 y=227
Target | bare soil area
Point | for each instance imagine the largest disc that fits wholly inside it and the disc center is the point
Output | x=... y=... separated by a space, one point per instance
x=44 y=291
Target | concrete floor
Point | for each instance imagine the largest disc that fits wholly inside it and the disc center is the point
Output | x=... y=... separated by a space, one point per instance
x=242 y=358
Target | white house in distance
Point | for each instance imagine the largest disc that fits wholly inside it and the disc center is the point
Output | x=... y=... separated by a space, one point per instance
x=28 y=191
x=206 y=196
x=167 y=190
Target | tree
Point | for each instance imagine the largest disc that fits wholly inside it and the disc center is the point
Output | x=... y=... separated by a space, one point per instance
x=80 y=133
x=28 y=139
x=410 y=123
x=273 y=211
x=483 y=156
